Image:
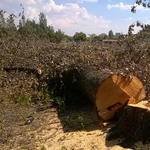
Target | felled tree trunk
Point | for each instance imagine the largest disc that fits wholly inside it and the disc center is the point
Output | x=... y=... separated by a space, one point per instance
x=133 y=125
x=86 y=80
x=108 y=92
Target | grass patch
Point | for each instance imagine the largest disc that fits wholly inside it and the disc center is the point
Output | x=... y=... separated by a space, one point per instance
x=17 y=96
x=75 y=122
x=80 y=123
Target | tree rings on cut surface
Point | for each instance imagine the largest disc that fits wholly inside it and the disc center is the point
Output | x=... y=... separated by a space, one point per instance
x=115 y=91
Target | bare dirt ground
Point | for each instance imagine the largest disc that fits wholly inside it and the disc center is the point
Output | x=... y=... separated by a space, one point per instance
x=78 y=129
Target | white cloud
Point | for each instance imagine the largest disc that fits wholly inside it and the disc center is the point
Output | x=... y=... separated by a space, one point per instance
x=81 y=1
x=69 y=17
x=120 y=5
x=127 y=19
x=73 y=18
x=148 y=22
x=125 y=7
x=32 y=13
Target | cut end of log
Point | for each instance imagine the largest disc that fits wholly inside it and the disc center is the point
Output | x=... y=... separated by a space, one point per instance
x=115 y=91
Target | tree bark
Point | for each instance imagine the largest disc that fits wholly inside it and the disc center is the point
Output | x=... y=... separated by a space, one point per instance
x=133 y=125
x=108 y=92
x=85 y=80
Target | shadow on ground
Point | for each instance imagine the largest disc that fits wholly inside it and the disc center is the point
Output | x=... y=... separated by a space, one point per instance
x=117 y=135
x=49 y=125
x=78 y=113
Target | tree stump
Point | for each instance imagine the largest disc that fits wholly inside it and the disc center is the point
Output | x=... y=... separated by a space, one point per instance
x=133 y=125
x=108 y=92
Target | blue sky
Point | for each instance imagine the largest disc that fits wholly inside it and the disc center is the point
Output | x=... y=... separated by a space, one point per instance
x=88 y=16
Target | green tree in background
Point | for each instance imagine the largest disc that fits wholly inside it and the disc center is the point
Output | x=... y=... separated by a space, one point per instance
x=2 y=19
x=89 y=39
x=146 y=27
x=97 y=38
x=42 y=20
x=105 y=37
x=22 y=23
x=10 y=23
x=79 y=36
x=69 y=38
x=111 y=34
x=144 y=3
x=59 y=35
x=28 y=27
x=50 y=31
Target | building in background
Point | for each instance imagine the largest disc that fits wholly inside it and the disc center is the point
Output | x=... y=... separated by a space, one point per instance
x=117 y=35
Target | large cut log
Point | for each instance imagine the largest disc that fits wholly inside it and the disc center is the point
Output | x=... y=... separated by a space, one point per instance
x=108 y=92
x=133 y=126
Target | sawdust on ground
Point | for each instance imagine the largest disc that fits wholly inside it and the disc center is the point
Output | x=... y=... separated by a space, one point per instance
x=78 y=129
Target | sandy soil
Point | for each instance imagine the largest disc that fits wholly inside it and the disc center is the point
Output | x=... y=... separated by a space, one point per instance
x=79 y=129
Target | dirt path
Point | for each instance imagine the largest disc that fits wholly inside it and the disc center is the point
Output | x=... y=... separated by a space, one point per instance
x=75 y=130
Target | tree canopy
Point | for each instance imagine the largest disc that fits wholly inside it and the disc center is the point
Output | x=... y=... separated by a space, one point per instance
x=41 y=28
x=27 y=26
x=144 y=3
x=79 y=36
x=111 y=34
